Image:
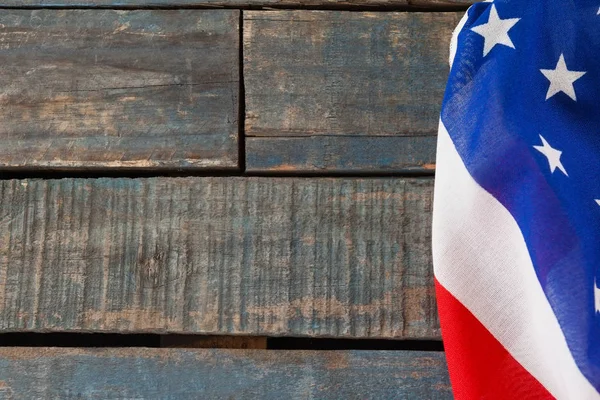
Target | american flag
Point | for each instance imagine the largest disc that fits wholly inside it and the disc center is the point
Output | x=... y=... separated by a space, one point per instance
x=516 y=224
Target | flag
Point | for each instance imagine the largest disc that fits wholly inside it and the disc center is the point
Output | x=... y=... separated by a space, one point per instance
x=516 y=220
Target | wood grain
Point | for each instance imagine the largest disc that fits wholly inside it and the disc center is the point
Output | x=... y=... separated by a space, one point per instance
x=342 y=154
x=345 y=73
x=50 y=373
x=408 y=4
x=253 y=256
x=119 y=89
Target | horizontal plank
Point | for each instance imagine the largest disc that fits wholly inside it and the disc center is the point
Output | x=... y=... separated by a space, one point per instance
x=345 y=73
x=341 y=154
x=254 y=256
x=425 y=4
x=52 y=373
x=119 y=89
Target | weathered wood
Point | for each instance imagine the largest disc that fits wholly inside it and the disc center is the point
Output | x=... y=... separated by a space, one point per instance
x=327 y=154
x=51 y=373
x=119 y=89
x=344 y=73
x=254 y=256
x=408 y=4
x=213 y=342
x=344 y=92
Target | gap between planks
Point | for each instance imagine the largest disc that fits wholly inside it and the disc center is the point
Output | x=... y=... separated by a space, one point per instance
x=150 y=174
x=250 y=7
x=110 y=340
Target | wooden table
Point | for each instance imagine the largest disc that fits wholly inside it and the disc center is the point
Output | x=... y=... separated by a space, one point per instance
x=243 y=187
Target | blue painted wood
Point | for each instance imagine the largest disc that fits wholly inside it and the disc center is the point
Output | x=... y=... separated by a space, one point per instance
x=106 y=89
x=342 y=73
x=336 y=92
x=53 y=373
x=330 y=154
x=341 y=257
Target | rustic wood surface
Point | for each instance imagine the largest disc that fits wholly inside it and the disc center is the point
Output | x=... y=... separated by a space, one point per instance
x=256 y=256
x=224 y=257
x=119 y=89
x=50 y=373
x=345 y=73
x=408 y=4
x=331 y=154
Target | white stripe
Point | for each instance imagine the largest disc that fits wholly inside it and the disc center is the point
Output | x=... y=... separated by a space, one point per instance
x=480 y=256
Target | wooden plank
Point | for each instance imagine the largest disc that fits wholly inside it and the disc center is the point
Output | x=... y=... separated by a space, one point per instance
x=340 y=92
x=253 y=256
x=345 y=73
x=119 y=89
x=409 y=4
x=330 y=154
x=51 y=373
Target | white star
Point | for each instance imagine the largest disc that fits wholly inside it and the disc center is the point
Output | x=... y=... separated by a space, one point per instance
x=552 y=155
x=561 y=79
x=495 y=31
x=598 y=201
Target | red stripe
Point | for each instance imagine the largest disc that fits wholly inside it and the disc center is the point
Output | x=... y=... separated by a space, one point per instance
x=480 y=367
